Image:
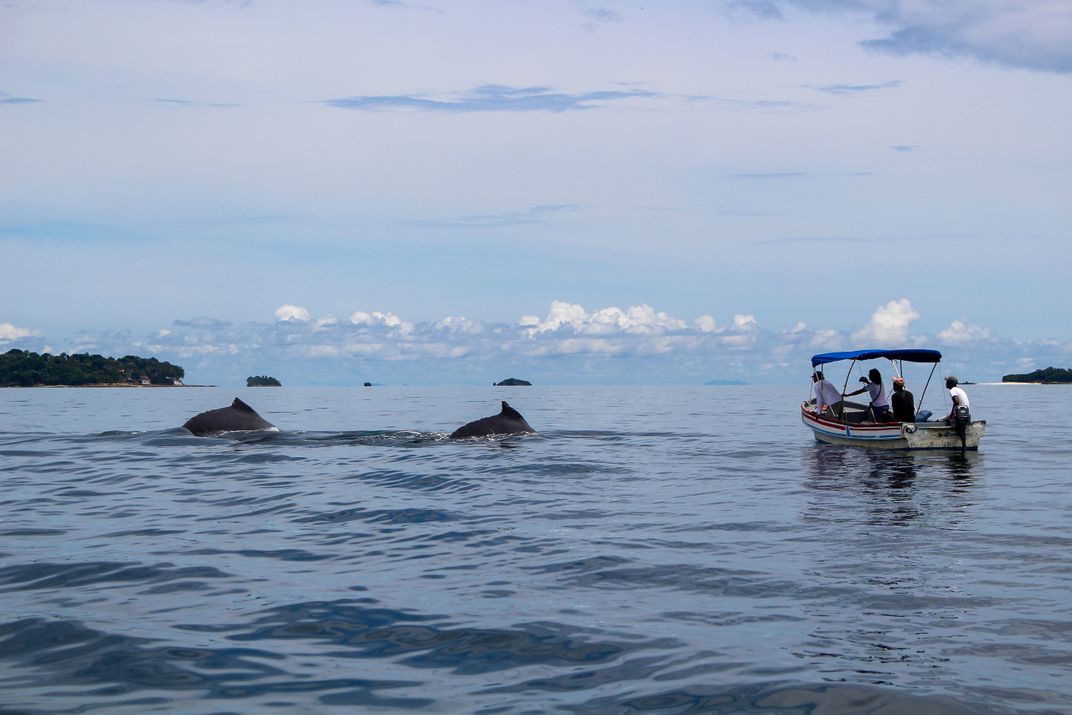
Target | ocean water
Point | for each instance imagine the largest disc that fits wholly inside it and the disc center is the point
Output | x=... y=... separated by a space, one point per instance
x=652 y=550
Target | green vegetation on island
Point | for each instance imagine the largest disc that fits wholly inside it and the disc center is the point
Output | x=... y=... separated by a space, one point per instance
x=1049 y=376
x=263 y=381
x=19 y=368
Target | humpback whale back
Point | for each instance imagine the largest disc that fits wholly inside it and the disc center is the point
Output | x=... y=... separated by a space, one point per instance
x=508 y=421
x=238 y=417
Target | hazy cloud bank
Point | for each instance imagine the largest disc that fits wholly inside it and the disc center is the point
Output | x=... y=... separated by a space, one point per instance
x=567 y=344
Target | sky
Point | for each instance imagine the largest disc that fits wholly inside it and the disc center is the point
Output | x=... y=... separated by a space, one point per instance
x=340 y=191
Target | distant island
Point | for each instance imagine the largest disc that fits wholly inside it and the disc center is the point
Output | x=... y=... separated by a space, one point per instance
x=512 y=382
x=263 y=381
x=725 y=382
x=1047 y=376
x=20 y=368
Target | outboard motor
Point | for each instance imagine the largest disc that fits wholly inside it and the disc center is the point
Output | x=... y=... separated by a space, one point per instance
x=961 y=420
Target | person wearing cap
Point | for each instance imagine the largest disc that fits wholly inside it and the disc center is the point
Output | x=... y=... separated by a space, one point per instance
x=826 y=395
x=959 y=397
x=880 y=405
x=904 y=405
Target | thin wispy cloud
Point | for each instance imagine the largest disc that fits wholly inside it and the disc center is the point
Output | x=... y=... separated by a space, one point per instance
x=61 y=230
x=494 y=98
x=771 y=175
x=556 y=208
x=596 y=17
x=478 y=221
x=755 y=105
x=890 y=240
x=760 y=8
x=232 y=4
x=193 y=103
x=9 y=99
x=528 y=217
x=402 y=5
x=745 y=213
x=844 y=89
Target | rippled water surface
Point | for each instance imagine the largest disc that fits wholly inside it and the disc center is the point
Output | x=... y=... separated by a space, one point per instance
x=651 y=550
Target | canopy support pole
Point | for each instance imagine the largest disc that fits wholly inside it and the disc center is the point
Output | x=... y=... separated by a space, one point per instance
x=919 y=404
x=847 y=376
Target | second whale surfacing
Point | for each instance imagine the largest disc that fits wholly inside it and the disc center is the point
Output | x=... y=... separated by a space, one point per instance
x=509 y=421
x=238 y=417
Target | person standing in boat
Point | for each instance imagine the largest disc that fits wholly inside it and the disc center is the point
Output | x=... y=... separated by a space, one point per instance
x=902 y=401
x=827 y=396
x=880 y=406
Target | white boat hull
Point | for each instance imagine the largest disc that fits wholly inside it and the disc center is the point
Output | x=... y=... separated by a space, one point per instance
x=891 y=435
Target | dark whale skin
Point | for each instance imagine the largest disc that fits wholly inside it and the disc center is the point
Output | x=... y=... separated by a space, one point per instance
x=509 y=421
x=239 y=417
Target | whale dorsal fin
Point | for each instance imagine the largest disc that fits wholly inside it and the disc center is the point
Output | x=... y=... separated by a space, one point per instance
x=508 y=411
x=239 y=405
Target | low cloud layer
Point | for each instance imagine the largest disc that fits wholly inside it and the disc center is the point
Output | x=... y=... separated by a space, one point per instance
x=568 y=343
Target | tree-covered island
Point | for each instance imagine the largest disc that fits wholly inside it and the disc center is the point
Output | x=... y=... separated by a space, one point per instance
x=263 y=381
x=20 y=368
x=1047 y=376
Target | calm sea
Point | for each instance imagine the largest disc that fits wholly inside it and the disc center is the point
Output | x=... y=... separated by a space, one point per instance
x=662 y=550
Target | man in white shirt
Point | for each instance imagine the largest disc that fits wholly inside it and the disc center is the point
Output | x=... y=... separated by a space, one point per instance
x=826 y=395
x=959 y=396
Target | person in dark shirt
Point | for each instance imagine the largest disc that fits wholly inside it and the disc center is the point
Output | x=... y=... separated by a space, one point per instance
x=904 y=405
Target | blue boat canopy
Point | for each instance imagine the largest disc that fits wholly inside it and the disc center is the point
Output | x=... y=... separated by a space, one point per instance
x=906 y=355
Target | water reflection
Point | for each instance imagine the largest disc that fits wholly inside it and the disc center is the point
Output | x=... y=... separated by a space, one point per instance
x=891 y=487
x=881 y=520
x=960 y=468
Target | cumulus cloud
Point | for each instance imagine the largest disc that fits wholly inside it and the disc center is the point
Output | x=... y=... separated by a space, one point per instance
x=889 y=325
x=636 y=320
x=381 y=320
x=326 y=323
x=10 y=332
x=292 y=312
x=561 y=314
x=706 y=324
x=745 y=322
x=959 y=332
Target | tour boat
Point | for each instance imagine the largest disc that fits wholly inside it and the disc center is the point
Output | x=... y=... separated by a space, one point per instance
x=856 y=426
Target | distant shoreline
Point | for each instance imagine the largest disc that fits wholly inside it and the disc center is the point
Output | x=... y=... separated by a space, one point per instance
x=96 y=384
x=1032 y=382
